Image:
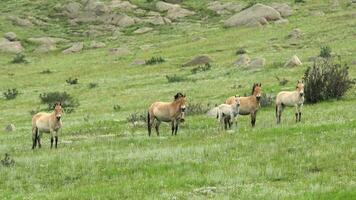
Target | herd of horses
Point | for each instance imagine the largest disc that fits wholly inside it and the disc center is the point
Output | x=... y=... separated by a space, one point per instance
x=174 y=112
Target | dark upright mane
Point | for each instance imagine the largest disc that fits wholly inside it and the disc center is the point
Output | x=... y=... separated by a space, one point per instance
x=253 y=88
x=178 y=95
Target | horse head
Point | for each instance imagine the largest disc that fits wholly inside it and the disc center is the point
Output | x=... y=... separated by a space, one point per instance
x=182 y=100
x=58 y=110
x=300 y=88
x=257 y=90
x=237 y=100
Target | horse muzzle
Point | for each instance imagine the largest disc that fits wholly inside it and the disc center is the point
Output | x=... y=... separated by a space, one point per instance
x=258 y=98
x=301 y=94
x=58 y=118
x=182 y=120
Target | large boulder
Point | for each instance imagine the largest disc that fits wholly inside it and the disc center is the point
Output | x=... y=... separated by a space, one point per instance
x=257 y=63
x=174 y=11
x=7 y=46
x=72 y=9
x=163 y=6
x=11 y=36
x=293 y=62
x=224 y=8
x=123 y=5
x=243 y=60
x=46 y=44
x=76 y=47
x=256 y=15
x=199 y=60
x=284 y=9
x=20 y=21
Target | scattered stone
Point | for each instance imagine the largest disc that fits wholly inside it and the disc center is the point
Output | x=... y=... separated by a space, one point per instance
x=76 y=47
x=45 y=48
x=284 y=9
x=174 y=11
x=46 y=44
x=256 y=15
x=143 y=30
x=10 y=128
x=257 y=63
x=206 y=190
x=96 y=45
x=20 y=22
x=243 y=60
x=7 y=46
x=293 y=62
x=138 y=62
x=163 y=6
x=121 y=51
x=146 y=47
x=72 y=9
x=11 y=36
x=199 y=60
x=296 y=33
x=123 y=5
x=157 y=20
x=282 y=21
x=225 y=8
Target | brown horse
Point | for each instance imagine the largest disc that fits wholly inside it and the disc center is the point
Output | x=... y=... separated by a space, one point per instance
x=173 y=112
x=249 y=105
x=47 y=123
x=292 y=99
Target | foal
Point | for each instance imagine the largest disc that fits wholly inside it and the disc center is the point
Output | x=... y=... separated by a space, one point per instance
x=47 y=123
x=249 y=105
x=173 y=112
x=286 y=98
x=226 y=113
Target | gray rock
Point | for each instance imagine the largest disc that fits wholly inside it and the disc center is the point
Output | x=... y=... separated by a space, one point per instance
x=96 y=45
x=121 y=51
x=174 y=11
x=199 y=60
x=123 y=5
x=243 y=60
x=281 y=21
x=7 y=46
x=225 y=8
x=10 y=128
x=20 y=21
x=296 y=33
x=143 y=30
x=72 y=9
x=76 y=47
x=11 y=36
x=284 y=9
x=293 y=62
x=138 y=62
x=257 y=63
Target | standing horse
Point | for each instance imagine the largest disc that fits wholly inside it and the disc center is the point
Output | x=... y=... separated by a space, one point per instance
x=47 y=123
x=173 y=112
x=249 y=105
x=226 y=113
x=288 y=98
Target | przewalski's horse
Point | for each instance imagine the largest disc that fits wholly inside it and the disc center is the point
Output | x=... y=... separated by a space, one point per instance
x=173 y=112
x=47 y=123
x=226 y=113
x=249 y=105
x=288 y=98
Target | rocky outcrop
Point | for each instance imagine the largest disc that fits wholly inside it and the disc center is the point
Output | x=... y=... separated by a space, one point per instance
x=76 y=47
x=293 y=62
x=143 y=30
x=11 y=36
x=7 y=46
x=199 y=60
x=174 y=11
x=225 y=8
x=46 y=44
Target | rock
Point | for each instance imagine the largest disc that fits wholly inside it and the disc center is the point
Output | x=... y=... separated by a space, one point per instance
x=46 y=40
x=243 y=60
x=281 y=21
x=123 y=5
x=72 y=9
x=46 y=47
x=11 y=36
x=163 y=6
x=293 y=62
x=199 y=60
x=20 y=22
x=224 y=8
x=257 y=63
x=10 y=128
x=76 y=47
x=296 y=33
x=96 y=45
x=284 y=9
x=179 y=13
x=138 y=62
x=125 y=21
x=256 y=15
x=157 y=20
x=7 y=46
x=121 y=51
x=143 y=30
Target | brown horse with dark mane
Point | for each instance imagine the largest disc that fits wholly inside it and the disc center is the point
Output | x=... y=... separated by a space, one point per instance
x=173 y=112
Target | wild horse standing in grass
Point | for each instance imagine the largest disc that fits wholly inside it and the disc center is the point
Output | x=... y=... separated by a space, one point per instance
x=167 y=112
x=48 y=123
x=249 y=105
x=287 y=98
x=226 y=113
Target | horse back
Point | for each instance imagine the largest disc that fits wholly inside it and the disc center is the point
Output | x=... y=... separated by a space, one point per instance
x=248 y=105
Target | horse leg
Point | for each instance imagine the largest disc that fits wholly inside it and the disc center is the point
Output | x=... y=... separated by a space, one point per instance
x=39 y=138
x=51 y=133
x=296 y=113
x=34 y=137
x=157 y=127
x=225 y=122
x=56 y=139
x=300 y=112
x=149 y=123
x=277 y=114
x=253 y=118
x=173 y=127
x=176 y=129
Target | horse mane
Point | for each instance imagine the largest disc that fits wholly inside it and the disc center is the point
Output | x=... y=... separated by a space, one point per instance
x=178 y=95
x=253 y=88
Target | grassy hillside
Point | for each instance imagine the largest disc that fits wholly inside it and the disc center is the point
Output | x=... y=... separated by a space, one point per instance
x=101 y=156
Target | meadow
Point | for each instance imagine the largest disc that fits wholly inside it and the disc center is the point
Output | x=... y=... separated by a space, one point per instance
x=102 y=156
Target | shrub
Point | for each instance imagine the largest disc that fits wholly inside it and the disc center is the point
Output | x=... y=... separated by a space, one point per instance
x=266 y=100
x=135 y=118
x=325 y=52
x=299 y=1
x=7 y=161
x=71 y=81
x=93 y=85
x=69 y=103
x=175 y=78
x=203 y=68
x=19 y=58
x=117 y=107
x=11 y=93
x=198 y=108
x=241 y=51
x=154 y=60
x=47 y=71
x=281 y=82
x=326 y=80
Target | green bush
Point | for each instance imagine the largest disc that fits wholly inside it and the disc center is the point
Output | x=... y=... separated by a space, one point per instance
x=326 y=80
x=7 y=161
x=175 y=78
x=154 y=60
x=11 y=93
x=117 y=107
x=198 y=108
x=69 y=103
x=93 y=85
x=325 y=52
x=299 y=1
x=203 y=68
x=135 y=118
x=71 y=81
x=19 y=58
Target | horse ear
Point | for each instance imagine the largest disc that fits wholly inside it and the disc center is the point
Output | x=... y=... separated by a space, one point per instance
x=260 y=84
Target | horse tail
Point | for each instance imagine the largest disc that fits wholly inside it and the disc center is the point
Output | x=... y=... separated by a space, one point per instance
x=276 y=110
x=148 y=119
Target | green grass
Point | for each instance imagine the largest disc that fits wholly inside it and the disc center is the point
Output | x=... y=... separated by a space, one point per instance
x=101 y=156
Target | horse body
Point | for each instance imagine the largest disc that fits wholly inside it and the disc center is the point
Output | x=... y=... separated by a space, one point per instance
x=226 y=113
x=167 y=112
x=46 y=123
x=249 y=105
x=290 y=99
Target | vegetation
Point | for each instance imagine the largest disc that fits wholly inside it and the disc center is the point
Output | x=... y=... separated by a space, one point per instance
x=117 y=107
x=71 y=81
x=7 y=161
x=325 y=52
x=19 y=58
x=154 y=60
x=175 y=78
x=11 y=93
x=203 y=68
x=69 y=103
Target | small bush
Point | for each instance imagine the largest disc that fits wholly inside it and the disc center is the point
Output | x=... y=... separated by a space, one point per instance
x=7 y=161
x=266 y=100
x=325 y=52
x=203 y=68
x=154 y=60
x=135 y=118
x=19 y=58
x=93 y=85
x=117 y=107
x=69 y=103
x=198 y=108
x=175 y=78
x=299 y=1
x=47 y=71
x=11 y=93
x=281 y=81
x=326 y=80
x=71 y=81
x=240 y=51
